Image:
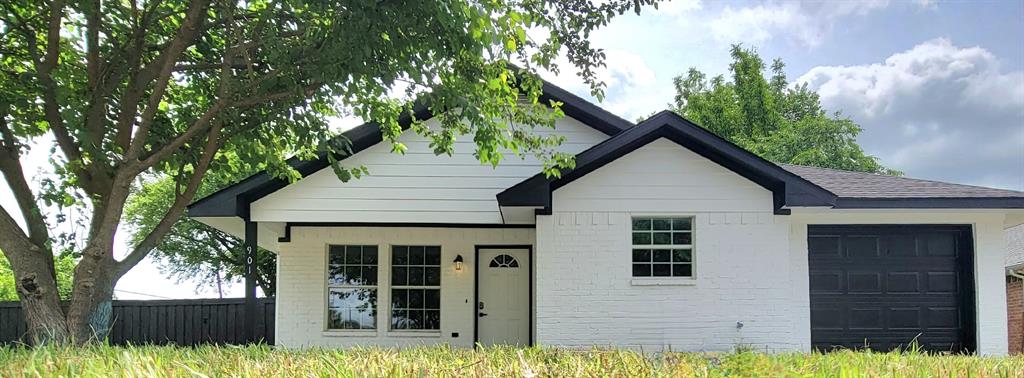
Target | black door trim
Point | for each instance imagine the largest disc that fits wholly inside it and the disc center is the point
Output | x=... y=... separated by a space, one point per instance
x=966 y=240
x=476 y=287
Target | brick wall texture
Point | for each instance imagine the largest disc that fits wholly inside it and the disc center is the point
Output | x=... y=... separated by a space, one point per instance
x=1015 y=314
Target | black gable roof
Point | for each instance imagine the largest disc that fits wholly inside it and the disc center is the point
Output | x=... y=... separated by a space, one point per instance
x=787 y=188
x=791 y=185
x=235 y=199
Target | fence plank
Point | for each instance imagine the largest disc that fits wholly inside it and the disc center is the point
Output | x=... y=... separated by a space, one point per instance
x=181 y=322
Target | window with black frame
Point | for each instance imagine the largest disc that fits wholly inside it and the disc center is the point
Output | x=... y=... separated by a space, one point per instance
x=415 y=287
x=663 y=247
x=352 y=287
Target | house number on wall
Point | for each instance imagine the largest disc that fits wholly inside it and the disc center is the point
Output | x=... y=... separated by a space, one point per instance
x=248 y=259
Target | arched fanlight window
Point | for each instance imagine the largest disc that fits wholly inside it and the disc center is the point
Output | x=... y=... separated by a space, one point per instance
x=504 y=261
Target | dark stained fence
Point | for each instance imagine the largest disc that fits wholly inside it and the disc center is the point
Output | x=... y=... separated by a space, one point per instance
x=175 y=321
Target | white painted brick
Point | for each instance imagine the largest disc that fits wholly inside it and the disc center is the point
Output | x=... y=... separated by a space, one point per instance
x=584 y=292
x=302 y=270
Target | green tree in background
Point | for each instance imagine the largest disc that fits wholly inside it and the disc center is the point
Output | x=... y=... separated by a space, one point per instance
x=132 y=89
x=192 y=250
x=767 y=116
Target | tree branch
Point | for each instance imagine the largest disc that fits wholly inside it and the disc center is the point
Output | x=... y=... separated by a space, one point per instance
x=51 y=105
x=10 y=166
x=306 y=91
x=95 y=115
x=11 y=235
x=160 y=70
x=136 y=48
x=198 y=126
x=177 y=209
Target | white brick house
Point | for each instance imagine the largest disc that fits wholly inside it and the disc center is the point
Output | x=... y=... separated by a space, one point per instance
x=664 y=237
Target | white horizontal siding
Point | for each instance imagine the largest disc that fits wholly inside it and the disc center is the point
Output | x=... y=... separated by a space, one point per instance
x=417 y=187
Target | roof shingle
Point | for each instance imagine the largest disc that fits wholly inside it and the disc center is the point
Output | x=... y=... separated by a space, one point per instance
x=868 y=185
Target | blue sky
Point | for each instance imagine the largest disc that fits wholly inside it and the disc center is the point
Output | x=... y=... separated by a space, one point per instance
x=937 y=86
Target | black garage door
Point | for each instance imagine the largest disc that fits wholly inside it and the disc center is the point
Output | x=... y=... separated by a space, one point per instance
x=885 y=286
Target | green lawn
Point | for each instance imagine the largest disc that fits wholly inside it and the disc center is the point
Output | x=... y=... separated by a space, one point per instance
x=261 y=361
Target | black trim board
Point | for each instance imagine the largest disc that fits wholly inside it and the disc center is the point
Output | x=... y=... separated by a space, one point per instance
x=931 y=203
x=288 y=226
x=234 y=200
x=788 y=189
x=476 y=287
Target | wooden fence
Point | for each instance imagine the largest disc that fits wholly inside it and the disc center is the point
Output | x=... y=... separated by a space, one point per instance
x=176 y=321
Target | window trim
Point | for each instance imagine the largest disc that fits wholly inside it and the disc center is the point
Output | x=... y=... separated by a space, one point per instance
x=664 y=280
x=361 y=332
x=392 y=332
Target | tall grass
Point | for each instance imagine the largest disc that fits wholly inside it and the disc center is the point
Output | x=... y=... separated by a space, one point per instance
x=263 y=361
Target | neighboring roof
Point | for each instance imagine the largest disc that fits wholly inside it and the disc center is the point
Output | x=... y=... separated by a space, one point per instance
x=235 y=199
x=787 y=188
x=792 y=185
x=1015 y=247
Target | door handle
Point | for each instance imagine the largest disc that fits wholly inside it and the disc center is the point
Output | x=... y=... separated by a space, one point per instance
x=482 y=315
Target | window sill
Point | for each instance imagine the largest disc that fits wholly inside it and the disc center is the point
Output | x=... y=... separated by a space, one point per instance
x=426 y=334
x=666 y=281
x=350 y=333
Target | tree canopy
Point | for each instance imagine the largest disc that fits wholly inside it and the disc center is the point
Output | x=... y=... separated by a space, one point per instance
x=179 y=88
x=771 y=118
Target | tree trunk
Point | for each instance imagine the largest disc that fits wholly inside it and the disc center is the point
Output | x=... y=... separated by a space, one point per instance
x=37 y=288
x=90 y=313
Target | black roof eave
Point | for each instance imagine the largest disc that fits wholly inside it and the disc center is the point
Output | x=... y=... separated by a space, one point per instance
x=930 y=203
x=787 y=188
x=234 y=200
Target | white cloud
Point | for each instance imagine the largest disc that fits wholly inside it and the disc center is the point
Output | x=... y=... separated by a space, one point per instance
x=926 y=4
x=936 y=110
x=632 y=89
x=679 y=7
x=805 y=22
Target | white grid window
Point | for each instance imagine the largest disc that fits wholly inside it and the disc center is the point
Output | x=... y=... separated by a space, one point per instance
x=415 y=287
x=352 y=287
x=662 y=246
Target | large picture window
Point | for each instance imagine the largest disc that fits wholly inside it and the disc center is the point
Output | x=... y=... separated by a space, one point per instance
x=662 y=247
x=352 y=287
x=415 y=287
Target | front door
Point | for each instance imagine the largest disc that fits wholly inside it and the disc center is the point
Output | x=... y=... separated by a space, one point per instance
x=503 y=307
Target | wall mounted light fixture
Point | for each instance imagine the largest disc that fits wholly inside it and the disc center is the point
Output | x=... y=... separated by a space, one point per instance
x=458 y=263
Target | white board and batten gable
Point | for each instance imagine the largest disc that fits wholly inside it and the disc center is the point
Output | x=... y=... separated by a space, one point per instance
x=417 y=187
